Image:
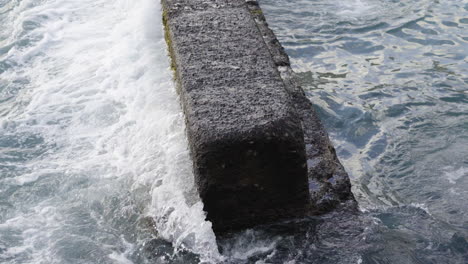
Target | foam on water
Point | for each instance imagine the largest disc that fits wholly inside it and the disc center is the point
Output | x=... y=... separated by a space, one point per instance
x=94 y=166
x=453 y=175
x=92 y=135
x=355 y=7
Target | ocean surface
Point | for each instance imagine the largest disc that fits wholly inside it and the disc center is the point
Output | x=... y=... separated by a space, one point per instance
x=94 y=165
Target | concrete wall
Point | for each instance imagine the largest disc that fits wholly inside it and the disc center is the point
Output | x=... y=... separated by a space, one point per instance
x=260 y=152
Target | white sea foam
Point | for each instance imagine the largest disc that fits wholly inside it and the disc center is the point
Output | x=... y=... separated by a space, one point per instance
x=98 y=97
x=453 y=175
x=354 y=7
x=249 y=244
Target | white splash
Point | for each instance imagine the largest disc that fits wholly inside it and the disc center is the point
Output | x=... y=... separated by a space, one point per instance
x=354 y=7
x=98 y=96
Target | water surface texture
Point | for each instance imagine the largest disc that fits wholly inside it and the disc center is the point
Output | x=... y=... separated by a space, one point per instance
x=94 y=166
x=390 y=80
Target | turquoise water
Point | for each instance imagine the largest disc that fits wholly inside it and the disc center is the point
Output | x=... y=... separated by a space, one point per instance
x=94 y=165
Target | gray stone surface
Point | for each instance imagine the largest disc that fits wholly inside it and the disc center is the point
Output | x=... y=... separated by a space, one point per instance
x=255 y=139
x=329 y=184
x=245 y=136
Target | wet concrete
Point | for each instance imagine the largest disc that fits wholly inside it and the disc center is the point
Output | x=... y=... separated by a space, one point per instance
x=259 y=150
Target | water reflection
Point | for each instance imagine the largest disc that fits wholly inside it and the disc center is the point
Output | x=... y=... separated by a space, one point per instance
x=389 y=79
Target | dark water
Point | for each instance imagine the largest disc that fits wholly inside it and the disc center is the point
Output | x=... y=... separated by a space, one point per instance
x=93 y=159
x=390 y=80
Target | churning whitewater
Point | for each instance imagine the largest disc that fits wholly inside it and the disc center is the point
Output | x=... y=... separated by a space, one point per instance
x=94 y=161
x=93 y=157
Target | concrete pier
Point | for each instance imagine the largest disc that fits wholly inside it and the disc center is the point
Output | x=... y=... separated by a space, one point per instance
x=259 y=151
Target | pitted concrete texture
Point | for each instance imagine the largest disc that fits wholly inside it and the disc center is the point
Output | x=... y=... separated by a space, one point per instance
x=329 y=184
x=245 y=136
x=257 y=145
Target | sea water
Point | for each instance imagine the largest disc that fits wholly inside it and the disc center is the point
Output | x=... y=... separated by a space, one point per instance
x=94 y=164
x=390 y=81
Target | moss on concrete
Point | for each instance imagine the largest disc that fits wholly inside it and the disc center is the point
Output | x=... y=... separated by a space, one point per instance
x=167 y=37
x=256 y=12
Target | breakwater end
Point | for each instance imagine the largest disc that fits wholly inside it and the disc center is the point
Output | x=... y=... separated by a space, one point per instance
x=259 y=150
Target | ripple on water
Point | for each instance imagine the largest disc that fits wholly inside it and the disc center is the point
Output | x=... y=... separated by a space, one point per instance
x=389 y=80
x=94 y=164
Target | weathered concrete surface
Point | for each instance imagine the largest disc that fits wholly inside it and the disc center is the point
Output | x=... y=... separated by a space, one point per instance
x=254 y=137
x=245 y=136
x=329 y=183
